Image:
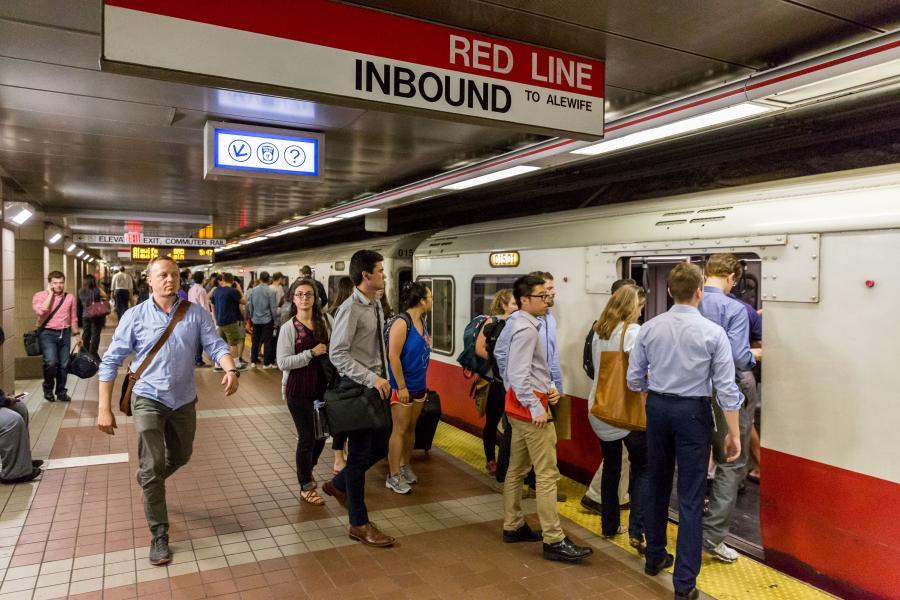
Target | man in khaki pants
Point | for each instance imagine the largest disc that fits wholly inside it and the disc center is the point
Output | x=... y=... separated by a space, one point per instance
x=529 y=391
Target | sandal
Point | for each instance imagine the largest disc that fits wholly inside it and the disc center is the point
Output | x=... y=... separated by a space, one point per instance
x=311 y=497
x=622 y=529
x=638 y=544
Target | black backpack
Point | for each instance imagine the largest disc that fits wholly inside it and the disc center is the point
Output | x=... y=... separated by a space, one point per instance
x=587 y=357
x=491 y=335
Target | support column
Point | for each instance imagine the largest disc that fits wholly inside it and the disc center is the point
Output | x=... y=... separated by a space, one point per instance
x=31 y=267
x=8 y=304
x=70 y=271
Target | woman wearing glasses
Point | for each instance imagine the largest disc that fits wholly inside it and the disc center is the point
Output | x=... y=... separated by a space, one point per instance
x=302 y=350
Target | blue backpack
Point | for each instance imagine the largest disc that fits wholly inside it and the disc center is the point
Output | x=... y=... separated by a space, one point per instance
x=467 y=358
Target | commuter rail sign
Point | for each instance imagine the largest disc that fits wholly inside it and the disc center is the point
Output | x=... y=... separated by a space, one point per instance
x=330 y=50
x=137 y=238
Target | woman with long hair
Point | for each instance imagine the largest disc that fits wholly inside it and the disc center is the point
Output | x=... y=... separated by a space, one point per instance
x=302 y=348
x=621 y=312
x=91 y=327
x=339 y=441
x=503 y=305
x=408 y=355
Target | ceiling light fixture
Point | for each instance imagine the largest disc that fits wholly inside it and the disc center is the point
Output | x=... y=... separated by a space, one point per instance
x=22 y=216
x=80 y=252
x=491 y=177
x=357 y=213
x=325 y=221
x=689 y=125
x=55 y=238
x=293 y=229
x=71 y=247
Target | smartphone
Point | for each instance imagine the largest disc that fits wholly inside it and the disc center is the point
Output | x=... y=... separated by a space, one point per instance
x=20 y=396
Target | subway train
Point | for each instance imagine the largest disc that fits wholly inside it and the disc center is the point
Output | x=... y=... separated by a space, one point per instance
x=821 y=260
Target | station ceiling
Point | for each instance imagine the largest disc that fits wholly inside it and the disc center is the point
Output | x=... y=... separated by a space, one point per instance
x=95 y=149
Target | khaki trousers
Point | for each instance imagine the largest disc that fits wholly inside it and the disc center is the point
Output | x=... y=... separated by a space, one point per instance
x=532 y=446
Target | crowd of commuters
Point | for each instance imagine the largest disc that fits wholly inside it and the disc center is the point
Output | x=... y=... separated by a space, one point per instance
x=694 y=363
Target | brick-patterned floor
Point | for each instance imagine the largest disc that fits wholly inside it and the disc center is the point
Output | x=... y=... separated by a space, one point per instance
x=239 y=529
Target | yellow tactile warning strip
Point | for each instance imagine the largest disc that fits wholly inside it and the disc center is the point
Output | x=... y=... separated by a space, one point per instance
x=746 y=579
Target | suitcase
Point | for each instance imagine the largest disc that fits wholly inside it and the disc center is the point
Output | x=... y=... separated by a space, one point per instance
x=427 y=424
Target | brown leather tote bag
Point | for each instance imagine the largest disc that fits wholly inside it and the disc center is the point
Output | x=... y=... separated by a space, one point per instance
x=614 y=403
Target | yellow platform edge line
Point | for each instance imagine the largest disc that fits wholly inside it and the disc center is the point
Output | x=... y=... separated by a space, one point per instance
x=747 y=579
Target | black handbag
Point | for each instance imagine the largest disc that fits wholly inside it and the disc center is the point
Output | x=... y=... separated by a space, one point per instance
x=32 y=338
x=83 y=365
x=351 y=406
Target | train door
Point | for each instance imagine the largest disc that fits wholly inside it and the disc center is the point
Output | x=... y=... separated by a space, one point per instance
x=650 y=272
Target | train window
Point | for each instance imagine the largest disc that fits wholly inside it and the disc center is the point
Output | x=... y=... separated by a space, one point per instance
x=483 y=289
x=440 y=322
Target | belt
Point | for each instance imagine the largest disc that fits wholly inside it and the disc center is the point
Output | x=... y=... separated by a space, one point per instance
x=677 y=397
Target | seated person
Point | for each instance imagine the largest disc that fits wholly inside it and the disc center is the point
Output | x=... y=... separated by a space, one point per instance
x=16 y=465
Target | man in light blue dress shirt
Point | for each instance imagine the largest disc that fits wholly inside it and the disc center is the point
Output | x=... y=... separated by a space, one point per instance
x=164 y=398
x=722 y=270
x=679 y=358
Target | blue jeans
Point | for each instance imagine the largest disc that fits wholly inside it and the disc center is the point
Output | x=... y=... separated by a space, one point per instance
x=55 y=347
x=678 y=431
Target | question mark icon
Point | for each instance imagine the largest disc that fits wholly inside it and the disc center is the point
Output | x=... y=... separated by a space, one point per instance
x=294 y=156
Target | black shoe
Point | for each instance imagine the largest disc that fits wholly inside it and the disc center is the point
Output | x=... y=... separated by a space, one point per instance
x=654 y=569
x=589 y=505
x=522 y=534
x=566 y=551
x=36 y=463
x=49 y=397
x=159 y=550
x=35 y=472
x=64 y=398
x=691 y=595
x=201 y=365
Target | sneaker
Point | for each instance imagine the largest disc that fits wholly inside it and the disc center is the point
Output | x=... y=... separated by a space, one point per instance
x=407 y=473
x=272 y=366
x=721 y=551
x=159 y=550
x=240 y=365
x=397 y=484
x=252 y=365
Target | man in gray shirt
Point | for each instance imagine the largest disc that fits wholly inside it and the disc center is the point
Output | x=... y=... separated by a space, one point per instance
x=529 y=393
x=262 y=307
x=357 y=352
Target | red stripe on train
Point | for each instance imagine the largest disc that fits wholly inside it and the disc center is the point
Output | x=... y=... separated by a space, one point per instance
x=837 y=527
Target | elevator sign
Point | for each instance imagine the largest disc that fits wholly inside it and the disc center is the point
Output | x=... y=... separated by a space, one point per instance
x=327 y=50
x=248 y=150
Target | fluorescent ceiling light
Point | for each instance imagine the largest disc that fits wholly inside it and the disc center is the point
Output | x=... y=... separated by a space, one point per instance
x=840 y=83
x=23 y=216
x=80 y=252
x=255 y=239
x=293 y=229
x=55 y=238
x=71 y=247
x=711 y=119
x=358 y=213
x=495 y=176
x=325 y=221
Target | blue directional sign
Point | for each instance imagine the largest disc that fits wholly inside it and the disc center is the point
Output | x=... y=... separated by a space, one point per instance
x=245 y=150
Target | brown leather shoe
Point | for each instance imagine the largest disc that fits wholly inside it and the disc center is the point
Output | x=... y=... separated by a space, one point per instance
x=370 y=535
x=335 y=493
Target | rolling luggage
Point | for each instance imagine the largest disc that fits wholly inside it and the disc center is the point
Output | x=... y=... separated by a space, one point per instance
x=427 y=424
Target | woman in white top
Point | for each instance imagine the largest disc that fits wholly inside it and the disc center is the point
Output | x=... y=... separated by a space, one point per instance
x=622 y=310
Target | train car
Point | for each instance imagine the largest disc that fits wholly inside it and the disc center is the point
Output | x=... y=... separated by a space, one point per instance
x=330 y=263
x=821 y=252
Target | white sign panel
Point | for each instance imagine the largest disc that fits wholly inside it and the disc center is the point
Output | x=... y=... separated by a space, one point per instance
x=149 y=240
x=337 y=49
x=246 y=150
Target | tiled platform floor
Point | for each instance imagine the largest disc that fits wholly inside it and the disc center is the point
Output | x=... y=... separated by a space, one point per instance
x=239 y=530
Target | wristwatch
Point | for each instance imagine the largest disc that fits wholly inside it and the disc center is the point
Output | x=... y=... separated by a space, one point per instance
x=235 y=371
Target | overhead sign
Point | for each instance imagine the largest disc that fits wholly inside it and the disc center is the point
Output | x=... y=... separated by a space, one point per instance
x=504 y=259
x=148 y=253
x=336 y=49
x=231 y=149
x=136 y=237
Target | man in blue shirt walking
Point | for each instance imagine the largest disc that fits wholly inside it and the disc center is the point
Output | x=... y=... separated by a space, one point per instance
x=679 y=358
x=163 y=400
x=262 y=308
x=722 y=270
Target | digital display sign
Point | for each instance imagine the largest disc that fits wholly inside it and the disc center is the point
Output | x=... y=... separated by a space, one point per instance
x=504 y=259
x=148 y=253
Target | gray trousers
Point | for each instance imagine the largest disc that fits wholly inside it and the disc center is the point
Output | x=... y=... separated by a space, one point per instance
x=729 y=475
x=15 y=445
x=165 y=443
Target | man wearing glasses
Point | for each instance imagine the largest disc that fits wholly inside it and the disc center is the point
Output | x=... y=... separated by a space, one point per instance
x=522 y=360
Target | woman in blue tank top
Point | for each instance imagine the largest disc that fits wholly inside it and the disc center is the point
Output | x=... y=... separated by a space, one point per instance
x=409 y=348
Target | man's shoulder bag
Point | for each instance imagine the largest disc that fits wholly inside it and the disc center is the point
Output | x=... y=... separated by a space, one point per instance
x=613 y=401
x=132 y=377
x=32 y=338
x=351 y=406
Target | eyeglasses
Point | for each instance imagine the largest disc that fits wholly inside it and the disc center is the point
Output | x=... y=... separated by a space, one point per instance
x=543 y=297
x=304 y=295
